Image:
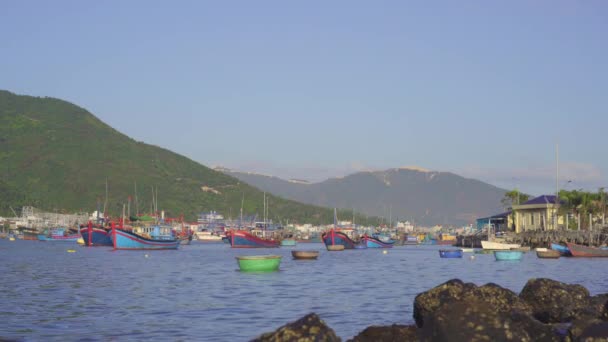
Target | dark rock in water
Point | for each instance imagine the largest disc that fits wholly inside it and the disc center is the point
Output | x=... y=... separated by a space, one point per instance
x=555 y=302
x=590 y=331
x=307 y=329
x=475 y=320
x=598 y=306
x=427 y=302
x=391 y=333
x=494 y=296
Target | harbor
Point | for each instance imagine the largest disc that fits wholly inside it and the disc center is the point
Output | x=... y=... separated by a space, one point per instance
x=186 y=289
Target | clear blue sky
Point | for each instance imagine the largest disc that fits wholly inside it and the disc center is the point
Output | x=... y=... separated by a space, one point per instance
x=313 y=89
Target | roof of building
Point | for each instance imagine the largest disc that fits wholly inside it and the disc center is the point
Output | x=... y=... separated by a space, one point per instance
x=543 y=199
x=497 y=216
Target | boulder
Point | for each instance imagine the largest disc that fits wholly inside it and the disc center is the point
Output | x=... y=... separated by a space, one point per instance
x=475 y=320
x=391 y=333
x=553 y=301
x=307 y=329
x=500 y=299
x=589 y=330
x=598 y=306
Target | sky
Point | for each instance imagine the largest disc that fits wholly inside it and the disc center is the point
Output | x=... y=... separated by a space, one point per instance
x=317 y=89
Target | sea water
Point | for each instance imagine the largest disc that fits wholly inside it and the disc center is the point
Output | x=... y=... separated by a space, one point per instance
x=198 y=293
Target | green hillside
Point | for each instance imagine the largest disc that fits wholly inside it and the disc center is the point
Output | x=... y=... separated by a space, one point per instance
x=57 y=156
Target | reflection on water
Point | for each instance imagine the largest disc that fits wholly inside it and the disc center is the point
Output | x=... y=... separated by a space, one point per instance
x=197 y=292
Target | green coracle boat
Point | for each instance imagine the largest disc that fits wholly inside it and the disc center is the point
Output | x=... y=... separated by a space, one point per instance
x=259 y=263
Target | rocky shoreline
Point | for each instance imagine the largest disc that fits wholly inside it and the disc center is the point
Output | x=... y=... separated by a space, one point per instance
x=545 y=310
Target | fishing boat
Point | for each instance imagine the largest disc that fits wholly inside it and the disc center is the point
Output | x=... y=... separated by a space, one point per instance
x=564 y=251
x=335 y=237
x=245 y=239
x=492 y=245
x=288 y=242
x=372 y=242
x=259 y=263
x=305 y=255
x=60 y=234
x=450 y=253
x=206 y=236
x=96 y=235
x=585 y=251
x=124 y=239
x=548 y=254
x=509 y=255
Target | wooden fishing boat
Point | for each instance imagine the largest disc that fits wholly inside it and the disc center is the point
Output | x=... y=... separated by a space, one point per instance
x=288 y=242
x=96 y=235
x=564 y=250
x=259 y=263
x=372 y=242
x=548 y=254
x=244 y=239
x=124 y=239
x=509 y=255
x=492 y=245
x=585 y=251
x=450 y=253
x=306 y=255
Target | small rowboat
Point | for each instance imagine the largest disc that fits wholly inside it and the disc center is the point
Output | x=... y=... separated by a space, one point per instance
x=335 y=248
x=305 y=255
x=450 y=253
x=508 y=255
x=259 y=263
x=548 y=254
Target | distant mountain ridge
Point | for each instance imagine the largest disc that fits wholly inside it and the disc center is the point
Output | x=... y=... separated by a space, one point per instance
x=407 y=193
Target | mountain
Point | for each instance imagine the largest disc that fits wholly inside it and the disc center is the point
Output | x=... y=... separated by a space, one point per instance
x=414 y=194
x=57 y=156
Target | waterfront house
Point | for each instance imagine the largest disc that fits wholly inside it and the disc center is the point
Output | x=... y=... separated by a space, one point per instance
x=539 y=213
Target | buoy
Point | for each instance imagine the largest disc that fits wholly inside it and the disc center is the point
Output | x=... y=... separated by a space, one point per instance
x=11 y=239
x=71 y=250
x=146 y=255
x=80 y=241
x=472 y=257
x=384 y=252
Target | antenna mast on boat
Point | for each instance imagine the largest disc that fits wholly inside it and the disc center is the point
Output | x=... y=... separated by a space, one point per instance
x=136 y=202
x=264 y=214
x=242 y=201
x=105 y=203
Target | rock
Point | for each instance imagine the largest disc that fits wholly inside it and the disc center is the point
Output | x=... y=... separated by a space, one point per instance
x=396 y=333
x=553 y=301
x=588 y=329
x=498 y=298
x=598 y=306
x=307 y=329
x=427 y=302
x=475 y=320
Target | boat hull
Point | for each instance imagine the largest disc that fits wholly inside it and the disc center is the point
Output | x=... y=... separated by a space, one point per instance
x=305 y=255
x=498 y=245
x=548 y=254
x=130 y=241
x=587 y=252
x=288 y=242
x=450 y=253
x=99 y=237
x=508 y=255
x=71 y=237
x=243 y=239
x=259 y=263
x=339 y=238
x=563 y=250
x=372 y=242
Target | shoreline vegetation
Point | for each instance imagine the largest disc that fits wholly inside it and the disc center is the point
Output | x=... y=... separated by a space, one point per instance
x=544 y=310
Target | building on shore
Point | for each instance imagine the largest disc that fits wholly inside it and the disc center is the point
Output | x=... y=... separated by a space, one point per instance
x=539 y=213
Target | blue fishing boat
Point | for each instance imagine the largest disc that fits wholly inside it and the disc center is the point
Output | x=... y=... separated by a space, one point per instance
x=563 y=250
x=124 y=239
x=96 y=235
x=508 y=255
x=450 y=253
x=372 y=242
x=334 y=237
